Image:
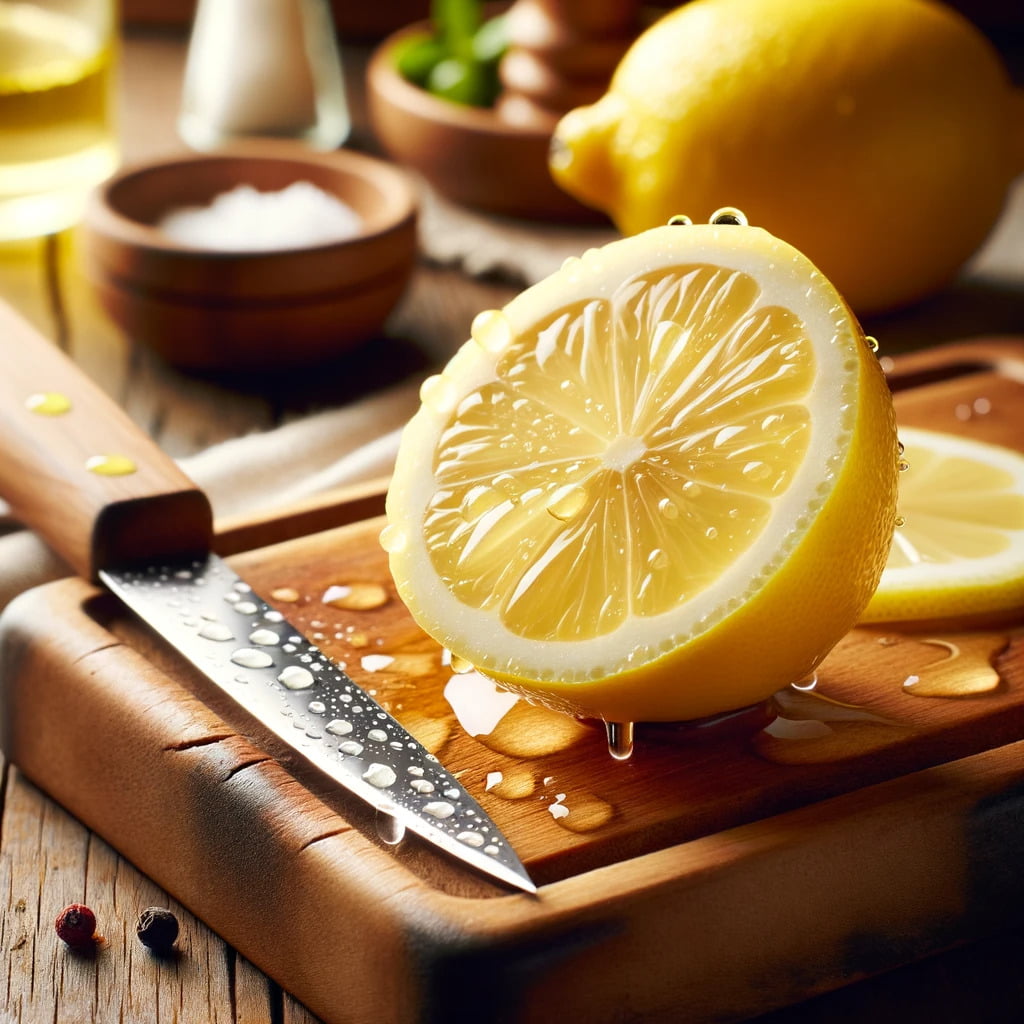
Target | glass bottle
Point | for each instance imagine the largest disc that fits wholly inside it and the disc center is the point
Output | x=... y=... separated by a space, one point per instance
x=263 y=68
x=58 y=135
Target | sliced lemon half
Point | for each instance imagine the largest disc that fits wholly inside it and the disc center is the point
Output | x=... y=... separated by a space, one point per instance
x=658 y=485
x=958 y=553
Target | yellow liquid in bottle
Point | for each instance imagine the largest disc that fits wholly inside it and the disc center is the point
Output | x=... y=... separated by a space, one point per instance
x=56 y=118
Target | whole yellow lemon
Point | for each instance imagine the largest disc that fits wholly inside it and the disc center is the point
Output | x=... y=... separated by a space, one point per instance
x=879 y=137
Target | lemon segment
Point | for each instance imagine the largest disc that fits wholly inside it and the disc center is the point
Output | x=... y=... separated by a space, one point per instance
x=657 y=485
x=958 y=554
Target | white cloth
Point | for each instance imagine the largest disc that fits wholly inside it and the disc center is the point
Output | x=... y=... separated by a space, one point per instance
x=304 y=458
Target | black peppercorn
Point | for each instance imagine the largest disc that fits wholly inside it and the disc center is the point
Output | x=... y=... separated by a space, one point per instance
x=157 y=929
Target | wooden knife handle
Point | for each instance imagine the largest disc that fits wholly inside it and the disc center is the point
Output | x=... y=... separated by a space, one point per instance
x=58 y=432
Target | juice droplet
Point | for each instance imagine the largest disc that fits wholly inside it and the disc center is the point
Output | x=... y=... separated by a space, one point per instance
x=903 y=465
x=414 y=664
x=393 y=539
x=513 y=784
x=557 y=808
x=658 y=559
x=459 y=665
x=110 y=465
x=375 y=662
x=900 y=521
x=478 y=501
x=287 y=595
x=872 y=343
x=668 y=508
x=438 y=394
x=491 y=331
x=586 y=813
x=756 y=471
x=48 y=403
x=965 y=670
x=620 y=739
x=811 y=728
x=355 y=596
x=567 y=501
x=478 y=703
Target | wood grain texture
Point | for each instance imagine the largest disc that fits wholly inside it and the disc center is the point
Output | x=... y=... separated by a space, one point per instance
x=869 y=843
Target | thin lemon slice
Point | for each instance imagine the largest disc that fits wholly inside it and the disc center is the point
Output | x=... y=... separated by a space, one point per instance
x=958 y=554
x=659 y=484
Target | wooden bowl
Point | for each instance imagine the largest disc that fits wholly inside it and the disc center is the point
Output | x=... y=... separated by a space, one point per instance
x=211 y=309
x=468 y=154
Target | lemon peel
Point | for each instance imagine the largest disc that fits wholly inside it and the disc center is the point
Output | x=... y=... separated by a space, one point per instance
x=879 y=137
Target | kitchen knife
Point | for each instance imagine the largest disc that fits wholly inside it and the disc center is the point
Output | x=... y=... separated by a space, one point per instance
x=76 y=469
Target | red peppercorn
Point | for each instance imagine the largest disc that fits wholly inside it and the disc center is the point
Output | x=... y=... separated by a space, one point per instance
x=76 y=925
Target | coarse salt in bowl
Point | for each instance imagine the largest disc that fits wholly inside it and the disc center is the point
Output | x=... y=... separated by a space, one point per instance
x=269 y=256
x=244 y=218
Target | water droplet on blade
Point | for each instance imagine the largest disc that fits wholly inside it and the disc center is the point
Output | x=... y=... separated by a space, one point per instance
x=249 y=658
x=389 y=828
x=216 y=631
x=295 y=677
x=380 y=775
x=439 y=809
x=264 y=637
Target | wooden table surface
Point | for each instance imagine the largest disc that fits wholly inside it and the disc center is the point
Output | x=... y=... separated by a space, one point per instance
x=48 y=859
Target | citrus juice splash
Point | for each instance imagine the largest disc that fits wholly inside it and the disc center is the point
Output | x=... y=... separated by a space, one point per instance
x=56 y=118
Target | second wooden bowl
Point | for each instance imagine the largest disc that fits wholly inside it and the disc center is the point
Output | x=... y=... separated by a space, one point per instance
x=468 y=154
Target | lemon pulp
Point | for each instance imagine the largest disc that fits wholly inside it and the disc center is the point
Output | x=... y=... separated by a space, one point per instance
x=958 y=551
x=636 y=466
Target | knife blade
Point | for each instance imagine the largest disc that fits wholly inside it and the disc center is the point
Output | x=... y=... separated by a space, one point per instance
x=75 y=469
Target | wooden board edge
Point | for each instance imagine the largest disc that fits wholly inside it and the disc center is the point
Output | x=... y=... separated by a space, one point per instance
x=336 y=507
x=918 y=864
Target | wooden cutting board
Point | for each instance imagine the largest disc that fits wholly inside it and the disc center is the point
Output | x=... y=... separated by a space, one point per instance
x=728 y=868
